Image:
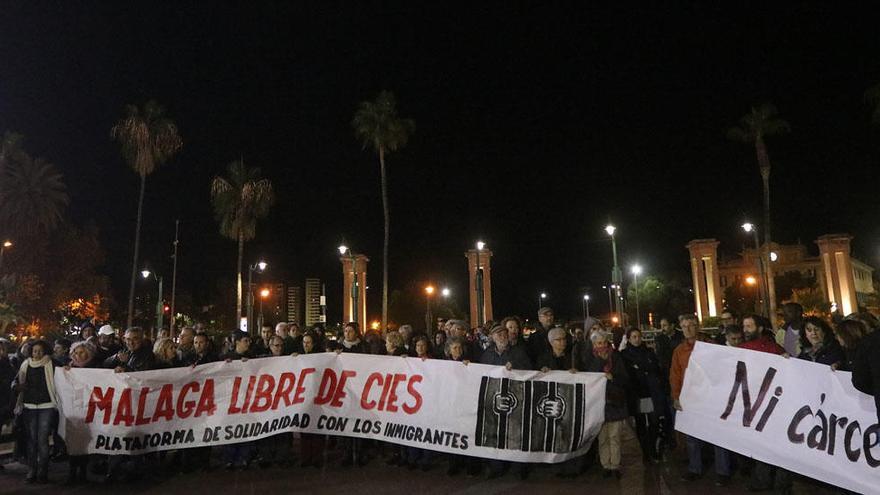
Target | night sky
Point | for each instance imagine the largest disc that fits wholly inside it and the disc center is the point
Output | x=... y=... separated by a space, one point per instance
x=534 y=127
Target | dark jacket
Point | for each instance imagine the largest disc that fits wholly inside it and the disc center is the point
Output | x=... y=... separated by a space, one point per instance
x=570 y=359
x=537 y=343
x=359 y=348
x=516 y=356
x=7 y=376
x=193 y=359
x=828 y=354
x=615 y=390
x=645 y=378
x=139 y=360
x=866 y=368
x=664 y=346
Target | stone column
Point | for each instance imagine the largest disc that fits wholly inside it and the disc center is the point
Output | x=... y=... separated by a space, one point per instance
x=840 y=285
x=359 y=263
x=708 y=297
x=485 y=256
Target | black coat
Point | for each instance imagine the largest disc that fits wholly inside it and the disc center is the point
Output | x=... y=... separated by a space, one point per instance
x=828 y=354
x=516 y=356
x=866 y=368
x=7 y=376
x=646 y=379
x=615 y=390
x=139 y=360
x=570 y=359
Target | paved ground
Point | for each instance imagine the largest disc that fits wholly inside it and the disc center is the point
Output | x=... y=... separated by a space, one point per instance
x=379 y=479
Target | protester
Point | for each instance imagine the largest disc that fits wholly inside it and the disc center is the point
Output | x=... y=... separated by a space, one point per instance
x=818 y=343
x=456 y=350
x=238 y=455
x=439 y=345
x=353 y=448
x=422 y=347
x=459 y=328
x=185 y=343
x=135 y=357
x=790 y=335
x=165 y=352
x=83 y=354
x=203 y=351
x=312 y=446
x=603 y=359
x=647 y=402
x=7 y=376
x=681 y=356
x=563 y=357
x=513 y=325
x=60 y=353
x=261 y=345
x=538 y=343
x=733 y=336
x=861 y=343
x=502 y=354
x=37 y=403
x=107 y=343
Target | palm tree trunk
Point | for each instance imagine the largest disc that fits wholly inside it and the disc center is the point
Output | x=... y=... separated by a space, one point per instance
x=238 y=283
x=137 y=245
x=385 y=209
x=764 y=163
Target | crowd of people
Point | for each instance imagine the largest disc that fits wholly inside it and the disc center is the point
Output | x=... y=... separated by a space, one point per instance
x=642 y=392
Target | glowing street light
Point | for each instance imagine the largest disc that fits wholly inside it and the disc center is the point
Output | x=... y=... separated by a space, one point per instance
x=264 y=293
x=616 y=276
x=763 y=266
x=636 y=271
x=586 y=307
x=750 y=280
x=260 y=266
x=541 y=298
x=429 y=291
x=159 y=304
x=445 y=292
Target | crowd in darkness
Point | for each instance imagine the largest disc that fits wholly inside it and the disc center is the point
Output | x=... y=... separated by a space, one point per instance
x=644 y=380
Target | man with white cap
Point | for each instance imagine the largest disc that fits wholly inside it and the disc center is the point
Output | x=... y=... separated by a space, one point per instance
x=106 y=345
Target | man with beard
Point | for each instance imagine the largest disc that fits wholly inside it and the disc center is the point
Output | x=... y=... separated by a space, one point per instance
x=502 y=354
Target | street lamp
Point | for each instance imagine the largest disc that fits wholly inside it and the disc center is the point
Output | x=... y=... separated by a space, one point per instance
x=264 y=293
x=586 y=306
x=159 y=306
x=541 y=298
x=479 y=283
x=343 y=250
x=6 y=244
x=616 y=277
x=429 y=291
x=445 y=292
x=259 y=266
x=636 y=271
x=763 y=267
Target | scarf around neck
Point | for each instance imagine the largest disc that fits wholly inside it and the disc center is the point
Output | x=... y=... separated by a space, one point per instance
x=607 y=366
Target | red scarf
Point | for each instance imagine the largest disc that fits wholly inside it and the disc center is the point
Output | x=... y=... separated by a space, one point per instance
x=607 y=367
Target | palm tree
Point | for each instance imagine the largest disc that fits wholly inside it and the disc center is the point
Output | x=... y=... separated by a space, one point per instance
x=239 y=201
x=148 y=139
x=32 y=194
x=377 y=125
x=760 y=122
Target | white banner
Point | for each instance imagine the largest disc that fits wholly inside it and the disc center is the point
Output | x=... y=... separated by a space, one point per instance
x=475 y=410
x=791 y=413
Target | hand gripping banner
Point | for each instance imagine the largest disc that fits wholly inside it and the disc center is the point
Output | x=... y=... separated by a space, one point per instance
x=474 y=410
x=791 y=413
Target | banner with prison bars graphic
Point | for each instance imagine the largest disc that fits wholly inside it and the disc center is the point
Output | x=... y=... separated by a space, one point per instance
x=473 y=410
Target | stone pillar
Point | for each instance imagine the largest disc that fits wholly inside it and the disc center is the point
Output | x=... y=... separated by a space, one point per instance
x=840 y=285
x=359 y=263
x=708 y=296
x=486 y=266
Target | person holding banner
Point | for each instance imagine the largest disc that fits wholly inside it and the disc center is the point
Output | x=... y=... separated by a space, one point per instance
x=83 y=354
x=502 y=354
x=238 y=455
x=352 y=448
x=456 y=351
x=562 y=357
x=759 y=337
x=690 y=328
x=312 y=446
x=818 y=344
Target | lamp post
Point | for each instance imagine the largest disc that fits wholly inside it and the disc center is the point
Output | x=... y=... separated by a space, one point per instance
x=264 y=293
x=159 y=306
x=762 y=261
x=616 y=277
x=343 y=250
x=751 y=282
x=636 y=271
x=429 y=291
x=479 y=284
x=610 y=300
x=259 y=266
x=541 y=298
x=586 y=306
x=6 y=244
